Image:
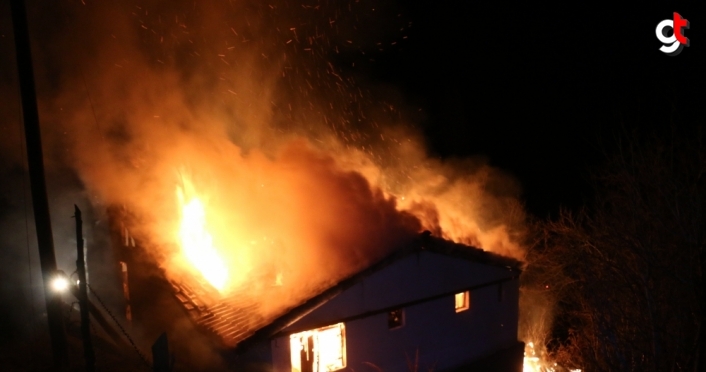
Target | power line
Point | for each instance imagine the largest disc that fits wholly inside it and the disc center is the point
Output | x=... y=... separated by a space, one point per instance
x=134 y=346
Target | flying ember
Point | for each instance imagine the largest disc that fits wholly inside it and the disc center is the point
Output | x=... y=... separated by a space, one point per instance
x=197 y=243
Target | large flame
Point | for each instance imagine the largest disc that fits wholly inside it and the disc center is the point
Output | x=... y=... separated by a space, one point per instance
x=197 y=243
x=279 y=141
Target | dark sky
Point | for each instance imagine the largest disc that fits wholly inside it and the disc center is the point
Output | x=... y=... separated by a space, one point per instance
x=534 y=87
x=537 y=86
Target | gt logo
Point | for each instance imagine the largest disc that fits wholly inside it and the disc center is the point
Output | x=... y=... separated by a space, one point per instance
x=674 y=44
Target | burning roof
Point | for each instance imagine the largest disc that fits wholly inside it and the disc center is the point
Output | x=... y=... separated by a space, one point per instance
x=231 y=319
x=237 y=320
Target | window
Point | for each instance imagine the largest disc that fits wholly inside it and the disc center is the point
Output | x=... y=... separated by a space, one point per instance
x=319 y=350
x=395 y=319
x=463 y=301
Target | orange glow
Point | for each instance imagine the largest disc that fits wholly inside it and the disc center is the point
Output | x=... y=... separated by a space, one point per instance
x=197 y=243
x=534 y=363
x=531 y=361
x=462 y=301
x=322 y=349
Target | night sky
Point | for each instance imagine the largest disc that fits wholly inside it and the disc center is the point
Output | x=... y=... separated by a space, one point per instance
x=536 y=88
x=539 y=87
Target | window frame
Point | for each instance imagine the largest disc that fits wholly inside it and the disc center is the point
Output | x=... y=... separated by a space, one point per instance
x=466 y=305
x=316 y=348
x=402 y=321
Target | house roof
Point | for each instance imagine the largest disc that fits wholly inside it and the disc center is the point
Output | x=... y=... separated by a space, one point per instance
x=231 y=319
x=424 y=242
x=237 y=321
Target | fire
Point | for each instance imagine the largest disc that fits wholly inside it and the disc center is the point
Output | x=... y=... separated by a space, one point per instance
x=197 y=243
x=533 y=363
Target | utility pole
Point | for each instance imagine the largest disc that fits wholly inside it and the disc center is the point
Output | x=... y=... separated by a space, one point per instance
x=40 y=201
x=83 y=295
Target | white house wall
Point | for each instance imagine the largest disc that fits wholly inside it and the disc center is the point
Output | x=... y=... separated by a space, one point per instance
x=412 y=278
x=442 y=338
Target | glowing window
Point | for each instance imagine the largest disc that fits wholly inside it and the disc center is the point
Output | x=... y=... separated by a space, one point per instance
x=395 y=319
x=462 y=301
x=319 y=350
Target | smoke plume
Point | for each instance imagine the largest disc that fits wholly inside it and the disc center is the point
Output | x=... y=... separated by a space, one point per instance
x=299 y=163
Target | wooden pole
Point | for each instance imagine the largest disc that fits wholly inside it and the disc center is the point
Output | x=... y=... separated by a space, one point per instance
x=101 y=320
x=40 y=201
x=83 y=295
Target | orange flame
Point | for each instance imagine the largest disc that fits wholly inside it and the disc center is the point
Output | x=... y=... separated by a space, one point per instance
x=531 y=361
x=197 y=243
x=535 y=363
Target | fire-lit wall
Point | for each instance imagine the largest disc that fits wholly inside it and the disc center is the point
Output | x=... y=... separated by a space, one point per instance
x=423 y=286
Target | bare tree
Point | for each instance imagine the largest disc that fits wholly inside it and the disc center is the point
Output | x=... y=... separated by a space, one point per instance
x=626 y=272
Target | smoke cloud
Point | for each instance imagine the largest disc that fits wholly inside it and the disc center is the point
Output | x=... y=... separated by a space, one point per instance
x=300 y=164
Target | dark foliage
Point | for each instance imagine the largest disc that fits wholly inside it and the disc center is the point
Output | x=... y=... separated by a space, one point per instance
x=627 y=271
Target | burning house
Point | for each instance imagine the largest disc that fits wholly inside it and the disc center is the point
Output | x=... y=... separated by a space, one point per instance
x=431 y=304
x=293 y=240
